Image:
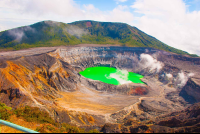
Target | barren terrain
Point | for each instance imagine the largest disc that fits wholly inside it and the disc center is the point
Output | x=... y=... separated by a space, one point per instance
x=49 y=78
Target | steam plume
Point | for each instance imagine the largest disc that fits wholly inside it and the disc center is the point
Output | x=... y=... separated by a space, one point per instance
x=147 y=61
x=169 y=76
x=182 y=78
x=121 y=76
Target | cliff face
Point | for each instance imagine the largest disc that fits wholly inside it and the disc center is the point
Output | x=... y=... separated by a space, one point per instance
x=50 y=80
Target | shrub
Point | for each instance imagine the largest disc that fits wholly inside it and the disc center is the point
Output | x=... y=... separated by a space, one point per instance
x=94 y=131
x=3 y=106
x=5 y=112
x=71 y=129
x=48 y=128
x=33 y=114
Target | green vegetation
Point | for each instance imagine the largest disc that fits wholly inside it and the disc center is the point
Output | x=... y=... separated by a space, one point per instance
x=65 y=128
x=5 y=112
x=94 y=131
x=48 y=33
x=35 y=115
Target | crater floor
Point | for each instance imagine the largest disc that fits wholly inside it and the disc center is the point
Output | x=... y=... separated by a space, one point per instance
x=95 y=102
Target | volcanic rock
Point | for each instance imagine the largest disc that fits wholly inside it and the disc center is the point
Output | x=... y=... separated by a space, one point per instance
x=50 y=79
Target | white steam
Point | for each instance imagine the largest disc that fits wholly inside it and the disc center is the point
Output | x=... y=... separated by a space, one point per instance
x=182 y=78
x=147 y=61
x=121 y=76
x=19 y=33
x=76 y=31
x=169 y=76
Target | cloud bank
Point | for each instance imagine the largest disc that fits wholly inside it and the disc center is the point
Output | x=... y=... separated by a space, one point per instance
x=65 y=11
x=170 y=22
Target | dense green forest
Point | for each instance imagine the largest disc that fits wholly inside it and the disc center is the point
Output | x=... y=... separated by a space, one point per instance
x=50 y=33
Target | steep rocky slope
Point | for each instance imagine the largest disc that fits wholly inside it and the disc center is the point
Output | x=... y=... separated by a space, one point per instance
x=50 y=79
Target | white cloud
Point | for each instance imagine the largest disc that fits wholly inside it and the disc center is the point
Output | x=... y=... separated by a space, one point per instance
x=118 y=1
x=120 y=14
x=3 y=27
x=89 y=7
x=121 y=0
x=63 y=11
x=170 y=22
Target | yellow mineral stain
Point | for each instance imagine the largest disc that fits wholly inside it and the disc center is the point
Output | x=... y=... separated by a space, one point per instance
x=94 y=102
x=55 y=54
x=58 y=68
x=25 y=80
x=76 y=101
x=16 y=73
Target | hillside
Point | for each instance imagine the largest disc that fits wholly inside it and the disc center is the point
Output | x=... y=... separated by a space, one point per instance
x=50 y=33
x=35 y=119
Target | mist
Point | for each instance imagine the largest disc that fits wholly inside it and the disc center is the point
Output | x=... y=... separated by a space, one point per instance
x=182 y=79
x=169 y=76
x=121 y=76
x=19 y=33
x=147 y=61
x=76 y=31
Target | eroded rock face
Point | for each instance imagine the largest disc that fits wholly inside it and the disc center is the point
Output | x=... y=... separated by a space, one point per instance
x=51 y=80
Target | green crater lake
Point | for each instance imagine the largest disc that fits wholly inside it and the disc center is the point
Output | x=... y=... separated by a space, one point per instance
x=111 y=75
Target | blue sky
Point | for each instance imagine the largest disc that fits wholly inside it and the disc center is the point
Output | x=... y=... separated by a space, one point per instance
x=99 y=3
x=174 y=22
x=104 y=5
x=194 y=5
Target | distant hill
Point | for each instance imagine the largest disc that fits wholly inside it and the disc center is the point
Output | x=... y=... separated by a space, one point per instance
x=50 y=33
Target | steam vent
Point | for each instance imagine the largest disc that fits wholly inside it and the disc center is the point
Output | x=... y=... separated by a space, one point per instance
x=108 y=88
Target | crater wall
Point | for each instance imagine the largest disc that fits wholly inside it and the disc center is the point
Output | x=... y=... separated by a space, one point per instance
x=51 y=80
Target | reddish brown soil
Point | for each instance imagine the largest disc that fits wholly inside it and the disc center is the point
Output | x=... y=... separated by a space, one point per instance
x=137 y=91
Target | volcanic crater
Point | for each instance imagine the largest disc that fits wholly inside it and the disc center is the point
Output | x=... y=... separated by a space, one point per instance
x=49 y=78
